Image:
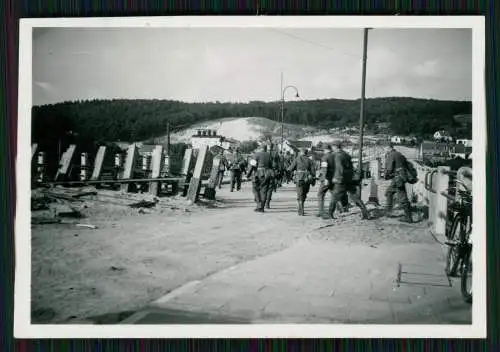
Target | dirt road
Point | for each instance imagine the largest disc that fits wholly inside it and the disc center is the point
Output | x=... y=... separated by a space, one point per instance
x=133 y=258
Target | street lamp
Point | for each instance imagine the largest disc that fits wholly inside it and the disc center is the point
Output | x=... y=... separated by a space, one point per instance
x=283 y=91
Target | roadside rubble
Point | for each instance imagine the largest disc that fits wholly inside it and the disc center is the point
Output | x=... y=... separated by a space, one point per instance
x=59 y=205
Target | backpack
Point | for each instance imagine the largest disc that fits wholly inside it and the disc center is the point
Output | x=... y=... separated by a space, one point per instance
x=411 y=174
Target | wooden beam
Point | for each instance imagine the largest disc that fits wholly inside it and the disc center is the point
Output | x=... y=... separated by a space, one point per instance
x=65 y=162
x=130 y=164
x=195 y=182
x=156 y=166
x=99 y=161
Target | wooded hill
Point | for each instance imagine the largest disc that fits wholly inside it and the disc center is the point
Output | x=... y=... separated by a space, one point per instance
x=98 y=121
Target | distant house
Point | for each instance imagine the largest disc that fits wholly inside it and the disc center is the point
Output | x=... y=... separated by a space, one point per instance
x=442 y=136
x=294 y=146
x=397 y=140
x=204 y=137
x=382 y=125
x=465 y=142
x=229 y=143
x=461 y=151
x=432 y=149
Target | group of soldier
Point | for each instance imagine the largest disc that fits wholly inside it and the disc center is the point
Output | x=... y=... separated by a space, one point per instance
x=268 y=170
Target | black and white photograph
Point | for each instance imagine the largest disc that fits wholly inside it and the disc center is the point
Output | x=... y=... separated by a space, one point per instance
x=274 y=176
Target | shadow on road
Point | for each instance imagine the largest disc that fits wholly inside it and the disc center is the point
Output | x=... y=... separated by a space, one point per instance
x=174 y=316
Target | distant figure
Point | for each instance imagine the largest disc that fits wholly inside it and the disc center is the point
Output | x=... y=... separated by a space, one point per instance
x=275 y=162
x=223 y=164
x=327 y=166
x=396 y=168
x=236 y=166
x=288 y=161
x=260 y=169
x=304 y=177
x=281 y=169
x=344 y=183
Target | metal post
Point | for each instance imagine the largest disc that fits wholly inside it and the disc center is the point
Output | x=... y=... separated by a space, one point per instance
x=168 y=139
x=362 y=107
x=282 y=110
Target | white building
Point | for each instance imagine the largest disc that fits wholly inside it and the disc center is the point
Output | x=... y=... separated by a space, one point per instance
x=397 y=140
x=210 y=138
x=461 y=151
x=443 y=136
x=465 y=142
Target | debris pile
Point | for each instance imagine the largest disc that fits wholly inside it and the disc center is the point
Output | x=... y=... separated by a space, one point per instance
x=59 y=205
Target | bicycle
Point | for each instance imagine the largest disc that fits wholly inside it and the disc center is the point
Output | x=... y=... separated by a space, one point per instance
x=459 y=256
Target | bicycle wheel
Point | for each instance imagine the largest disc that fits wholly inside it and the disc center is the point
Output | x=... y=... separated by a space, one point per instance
x=466 y=279
x=453 y=255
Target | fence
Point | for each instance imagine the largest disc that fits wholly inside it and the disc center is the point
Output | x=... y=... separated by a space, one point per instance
x=154 y=171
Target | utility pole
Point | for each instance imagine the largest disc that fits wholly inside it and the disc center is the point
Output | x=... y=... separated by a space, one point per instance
x=362 y=107
x=168 y=140
x=282 y=107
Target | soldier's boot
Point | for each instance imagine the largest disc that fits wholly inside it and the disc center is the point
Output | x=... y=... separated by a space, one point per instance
x=408 y=215
x=263 y=205
x=365 y=215
x=321 y=205
x=300 y=210
x=331 y=211
x=388 y=206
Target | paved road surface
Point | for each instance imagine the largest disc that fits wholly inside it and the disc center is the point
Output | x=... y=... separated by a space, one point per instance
x=337 y=271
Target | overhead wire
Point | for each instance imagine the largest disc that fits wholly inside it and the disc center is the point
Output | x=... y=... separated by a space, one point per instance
x=327 y=47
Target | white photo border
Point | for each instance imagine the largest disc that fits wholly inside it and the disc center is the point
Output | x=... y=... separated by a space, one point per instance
x=22 y=286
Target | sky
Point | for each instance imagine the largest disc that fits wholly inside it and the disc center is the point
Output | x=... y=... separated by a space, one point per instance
x=245 y=64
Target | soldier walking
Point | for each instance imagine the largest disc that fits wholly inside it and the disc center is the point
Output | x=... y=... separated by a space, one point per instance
x=260 y=169
x=236 y=167
x=396 y=168
x=273 y=175
x=344 y=183
x=281 y=169
x=327 y=166
x=223 y=165
x=304 y=177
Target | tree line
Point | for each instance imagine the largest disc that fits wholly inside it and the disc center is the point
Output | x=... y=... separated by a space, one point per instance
x=101 y=121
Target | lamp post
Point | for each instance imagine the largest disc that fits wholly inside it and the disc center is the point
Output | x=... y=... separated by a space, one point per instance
x=283 y=91
x=362 y=107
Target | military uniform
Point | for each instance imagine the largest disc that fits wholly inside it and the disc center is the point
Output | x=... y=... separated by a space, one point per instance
x=343 y=183
x=304 y=177
x=327 y=166
x=237 y=166
x=223 y=164
x=395 y=170
x=260 y=169
x=281 y=170
x=287 y=175
x=273 y=173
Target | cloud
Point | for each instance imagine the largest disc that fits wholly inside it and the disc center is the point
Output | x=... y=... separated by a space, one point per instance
x=245 y=64
x=44 y=85
x=429 y=68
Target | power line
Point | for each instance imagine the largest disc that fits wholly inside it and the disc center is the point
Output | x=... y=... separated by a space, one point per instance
x=312 y=42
